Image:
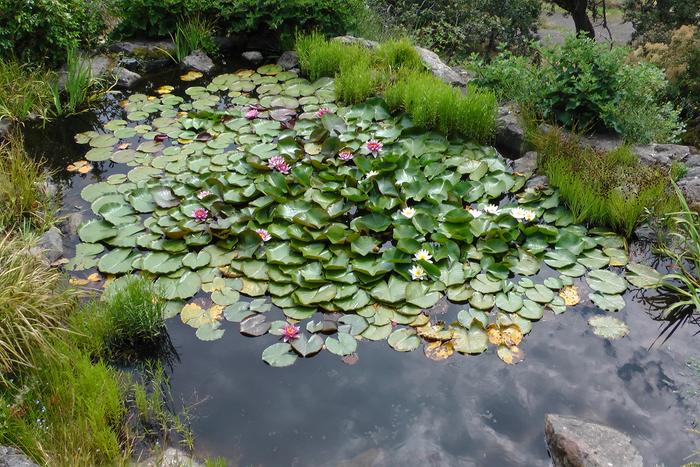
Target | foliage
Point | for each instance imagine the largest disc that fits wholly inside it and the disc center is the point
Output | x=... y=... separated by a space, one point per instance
x=78 y=84
x=157 y=18
x=655 y=20
x=611 y=189
x=293 y=201
x=320 y=57
x=24 y=91
x=26 y=205
x=192 y=34
x=434 y=104
x=455 y=28
x=32 y=307
x=585 y=85
x=41 y=31
x=680 y=59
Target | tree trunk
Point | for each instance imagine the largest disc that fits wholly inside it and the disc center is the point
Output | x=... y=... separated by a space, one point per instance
x=578 y=9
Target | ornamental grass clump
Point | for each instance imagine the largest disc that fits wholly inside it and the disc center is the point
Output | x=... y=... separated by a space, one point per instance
x=33 y=305
x=319 y=57
x=612 y=189
x=24 y=91
x=436 y=105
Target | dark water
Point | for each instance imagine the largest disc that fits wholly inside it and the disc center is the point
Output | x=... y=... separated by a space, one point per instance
x=398 y=409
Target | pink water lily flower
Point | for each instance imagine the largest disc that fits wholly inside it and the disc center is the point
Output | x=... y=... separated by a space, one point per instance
x=345 y=155
x=203 y=194
x=200 y=214
x=264 y=235
x=290 y=332
x=323 y=111
x=252 y=114
x=374 y=146
x=279 y=164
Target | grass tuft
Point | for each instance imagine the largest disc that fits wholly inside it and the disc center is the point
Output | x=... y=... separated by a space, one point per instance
x=191 y=34
x=24 y=92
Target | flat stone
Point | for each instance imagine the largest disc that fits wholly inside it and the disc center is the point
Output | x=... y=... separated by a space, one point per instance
x=11 y=457
x=253 y=56
x=125 y=78
x=143 y=49
x=540 y=181
x=288 y=60
x=526 y=164
x=49 y=247
x=352 y=40
x=199 y=61
x=575 y=443
x=665 y=154
x=510 y=132
x=439 y=69
x=171 y=457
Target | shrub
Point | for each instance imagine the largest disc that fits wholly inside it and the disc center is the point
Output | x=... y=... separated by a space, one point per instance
x=24 y=91
x=585 y=85
x=436 y=105
x=43 y=30
x=25 y=204
x=455 y=28
x=612 y=189
x=654 y=20
x=32 y=307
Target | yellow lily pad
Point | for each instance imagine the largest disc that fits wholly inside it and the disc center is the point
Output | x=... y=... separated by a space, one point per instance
x=166 y=89
x=191 y=76
x=570 y=295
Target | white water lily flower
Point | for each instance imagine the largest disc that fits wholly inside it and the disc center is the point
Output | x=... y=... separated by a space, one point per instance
x=530 y=215
x=417 y=273
x=475 y=212
x=423 y=255
x=520 y=214
x=371 y=174
x=408 y=212
x=491 y=209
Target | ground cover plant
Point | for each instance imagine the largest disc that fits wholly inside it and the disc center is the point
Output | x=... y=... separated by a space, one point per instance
x=259 y=185
x=585 y=85
x=395 y=70
x=24 y=91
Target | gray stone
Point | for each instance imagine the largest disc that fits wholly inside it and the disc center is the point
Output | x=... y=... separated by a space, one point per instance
x=143 y=49
x=125 y=78
x=73 y=223
x=11 y=457
x=49 y=247
x=101 y=65
x=575 y=443
x=288 y=60
x=510 y=132
x=5 y=129
x=352 y=40
x=439 y=69
x=198 y=60
x=253 y=56
x=665 y=154
x=465 y=74
x=171 y=457
x=539 y=181
x=130 y=63
x=526 y=164
x=49 y=188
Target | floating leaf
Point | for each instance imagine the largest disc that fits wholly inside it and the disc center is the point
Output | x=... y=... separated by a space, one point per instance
x=342 y=344
x=279 y=355
x=570 y=295
x=404 y=340
x=510 y=355
x=608 y=327
x=643 y=276
x=608 y=302
x=254 y=326
x=606 y=282
x=307 y=347
x=439 y=350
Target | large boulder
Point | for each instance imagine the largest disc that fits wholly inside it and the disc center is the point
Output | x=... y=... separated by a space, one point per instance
x=288 y=60
x=144 y=49
x=171 y=457
x=510 y=132
x=198 y=60
x=526 y=165
x=575 y=443
x=125 y=78
x=352 y=40
x=439 y=69
x=11 y=457
x=49 y=247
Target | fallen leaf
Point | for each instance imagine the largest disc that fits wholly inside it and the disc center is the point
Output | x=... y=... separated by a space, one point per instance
x=94 y=277
x=124 y=146
x=350 y=359
x=78 y=281
x=504 y=335
x=570 y=295
x=123 y=104
x=191 y=76
x=439 y=350
x=166 y=89
x=60 y=262
x=151 y=98
x=510 y=355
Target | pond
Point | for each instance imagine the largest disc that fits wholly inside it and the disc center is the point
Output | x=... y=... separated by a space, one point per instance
x=400 y=408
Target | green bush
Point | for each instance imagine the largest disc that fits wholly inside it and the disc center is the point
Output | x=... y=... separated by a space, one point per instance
x=586 y=85
x=320 y=57
x=159 y=18
x=655 y=20
x=42 y=30
x=433 y=104
x=357 y=82
x=612 y=189
x=456 y=28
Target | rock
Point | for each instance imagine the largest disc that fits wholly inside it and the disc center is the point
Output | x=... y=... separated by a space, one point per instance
x=5 y=129
x=352 y=40
x=144 y=49
x=465 y=74
x=11 y=457
x=227 y=44
x=125 y=78
x=49 y=247
x=198 y=60
x=73 y=223
x=439 y=69
x=49 y=188
x=538 y=181
x=526 y=164
x=101 y=65
x=253 y=56
x=510 y=132
x=575 y=443
x=130 y=63
x=171 y=457
x=288 y=60
x=665 y=154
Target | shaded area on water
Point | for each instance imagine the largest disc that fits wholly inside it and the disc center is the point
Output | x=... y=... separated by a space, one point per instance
x=402 y=409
